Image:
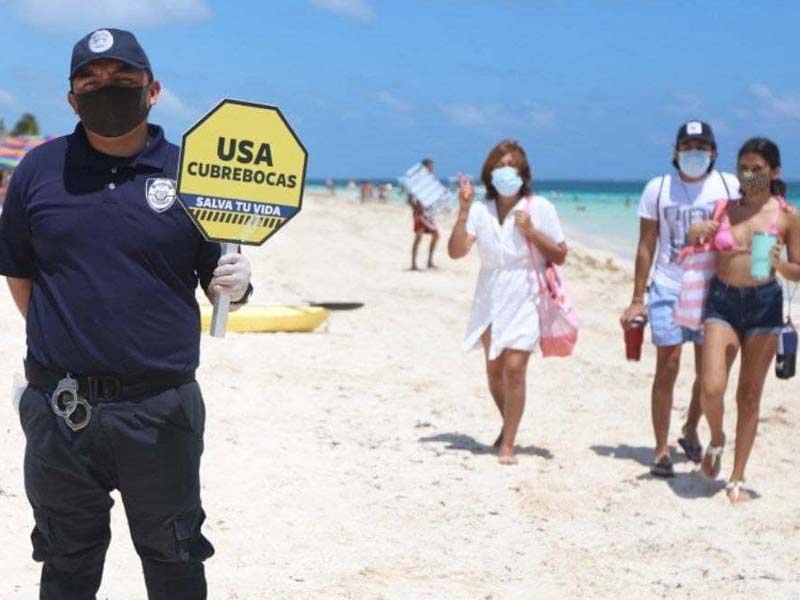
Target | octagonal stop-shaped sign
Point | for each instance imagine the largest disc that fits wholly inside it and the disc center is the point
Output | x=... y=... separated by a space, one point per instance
x=242 y=172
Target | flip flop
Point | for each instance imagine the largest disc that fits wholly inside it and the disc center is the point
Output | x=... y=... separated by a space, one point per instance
x=662 y=468
x=694 y=452
x=734 y=489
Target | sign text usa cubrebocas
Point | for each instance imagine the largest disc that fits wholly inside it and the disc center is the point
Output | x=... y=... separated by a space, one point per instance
x=242 y=172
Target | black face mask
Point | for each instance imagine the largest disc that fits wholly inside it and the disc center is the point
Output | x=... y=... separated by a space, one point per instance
x=112 y=111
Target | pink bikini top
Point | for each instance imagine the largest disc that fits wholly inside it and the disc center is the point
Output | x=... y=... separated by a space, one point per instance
x=724 y=240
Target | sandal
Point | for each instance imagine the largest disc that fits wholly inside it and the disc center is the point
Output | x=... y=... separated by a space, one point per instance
x=715 y=452
x=662 y=468
x=693 y=451
x=734 y=488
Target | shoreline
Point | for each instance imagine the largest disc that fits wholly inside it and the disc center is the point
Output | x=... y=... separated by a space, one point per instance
x=586 y=244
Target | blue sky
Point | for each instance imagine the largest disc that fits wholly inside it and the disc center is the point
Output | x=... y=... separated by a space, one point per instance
x=592 y=88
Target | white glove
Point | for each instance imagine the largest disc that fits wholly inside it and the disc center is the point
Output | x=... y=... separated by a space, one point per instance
x=232 y=276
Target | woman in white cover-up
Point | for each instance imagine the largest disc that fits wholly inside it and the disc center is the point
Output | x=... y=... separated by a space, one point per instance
x=504 y=317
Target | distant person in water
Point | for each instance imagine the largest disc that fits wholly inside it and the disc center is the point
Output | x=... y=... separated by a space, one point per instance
x=366 y=191
x=330 y=187
x=504 y=317
x=424 y=224
x=669 y=206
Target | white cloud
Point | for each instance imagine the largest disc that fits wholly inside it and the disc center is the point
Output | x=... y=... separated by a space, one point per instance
x=60 y=15
x=774 y=106
x=541 y=116
x=356 y=9
x=720 y=126
x=7 y=98
x=685 y=105
x=172 y=105
x=497 y=115
x=393 y=101
x=465 y=115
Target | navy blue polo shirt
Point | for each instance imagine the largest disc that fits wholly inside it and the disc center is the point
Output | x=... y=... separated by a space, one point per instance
x=113 y=258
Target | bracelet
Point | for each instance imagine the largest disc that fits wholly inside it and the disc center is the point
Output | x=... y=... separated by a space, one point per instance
x=637 y=300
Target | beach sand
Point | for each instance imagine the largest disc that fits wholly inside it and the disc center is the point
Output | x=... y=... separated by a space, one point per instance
x=353 y=462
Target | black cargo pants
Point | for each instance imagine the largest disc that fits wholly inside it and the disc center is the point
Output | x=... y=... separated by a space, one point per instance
x=148 y=449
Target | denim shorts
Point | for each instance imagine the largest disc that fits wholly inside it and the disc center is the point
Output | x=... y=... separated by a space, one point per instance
x=756 y=310
x=660 y=308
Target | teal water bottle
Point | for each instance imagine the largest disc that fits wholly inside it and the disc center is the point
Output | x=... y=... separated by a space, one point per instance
x=760 y=266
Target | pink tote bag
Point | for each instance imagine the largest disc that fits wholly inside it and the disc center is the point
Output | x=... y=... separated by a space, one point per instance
x=558 y=321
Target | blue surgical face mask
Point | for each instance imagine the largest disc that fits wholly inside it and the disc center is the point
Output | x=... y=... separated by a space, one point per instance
x=694 y=163
x=506 y=181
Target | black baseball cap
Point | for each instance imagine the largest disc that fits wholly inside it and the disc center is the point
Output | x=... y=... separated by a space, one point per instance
x=110 y=44
x=695 y=130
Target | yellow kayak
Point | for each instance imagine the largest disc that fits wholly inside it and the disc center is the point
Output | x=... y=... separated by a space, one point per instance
x=269 y=318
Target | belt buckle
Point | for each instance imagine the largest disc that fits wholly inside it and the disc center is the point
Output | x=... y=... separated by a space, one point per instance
x=69 y=387
x=104 y=388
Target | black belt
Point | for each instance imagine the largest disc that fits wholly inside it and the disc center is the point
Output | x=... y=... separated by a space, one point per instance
x=104 y=388
x=72 y=396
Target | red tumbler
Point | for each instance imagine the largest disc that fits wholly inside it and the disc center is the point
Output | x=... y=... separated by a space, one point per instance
x=634 y=336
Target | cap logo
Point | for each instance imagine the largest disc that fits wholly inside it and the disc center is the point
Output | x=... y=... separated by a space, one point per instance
x=100 y=41
x=694 y=128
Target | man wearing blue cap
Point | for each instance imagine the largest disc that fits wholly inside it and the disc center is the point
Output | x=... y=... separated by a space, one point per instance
x=103 y=263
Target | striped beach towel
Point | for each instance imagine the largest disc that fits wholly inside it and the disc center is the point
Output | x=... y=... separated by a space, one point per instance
x=699 y=264
x=427 y=188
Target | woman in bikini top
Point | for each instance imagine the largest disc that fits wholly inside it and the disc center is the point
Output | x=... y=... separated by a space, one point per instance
x=743 y=315
x=738 y=222
x=724 y=240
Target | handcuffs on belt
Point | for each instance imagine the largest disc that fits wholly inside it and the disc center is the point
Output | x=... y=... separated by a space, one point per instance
x=65 y=401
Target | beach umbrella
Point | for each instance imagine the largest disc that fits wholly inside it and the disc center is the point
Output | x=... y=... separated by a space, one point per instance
x=12 y=149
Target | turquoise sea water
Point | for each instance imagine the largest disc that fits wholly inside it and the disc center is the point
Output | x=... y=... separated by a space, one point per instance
x=598 y=213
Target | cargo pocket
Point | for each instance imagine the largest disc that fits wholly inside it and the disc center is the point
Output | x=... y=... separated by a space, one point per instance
x=29 y=404
x=191 y=544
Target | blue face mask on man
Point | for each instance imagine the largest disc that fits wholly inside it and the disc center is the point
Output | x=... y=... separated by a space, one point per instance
x=506 y=181
x=694 y=163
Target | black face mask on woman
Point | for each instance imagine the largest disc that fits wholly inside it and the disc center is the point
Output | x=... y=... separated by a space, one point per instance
x=112 y=111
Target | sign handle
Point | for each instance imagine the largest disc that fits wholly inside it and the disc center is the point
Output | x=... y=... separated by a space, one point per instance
x=219 y=318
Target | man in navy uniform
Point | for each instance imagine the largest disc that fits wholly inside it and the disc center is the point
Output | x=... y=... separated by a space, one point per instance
x=103 y=263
